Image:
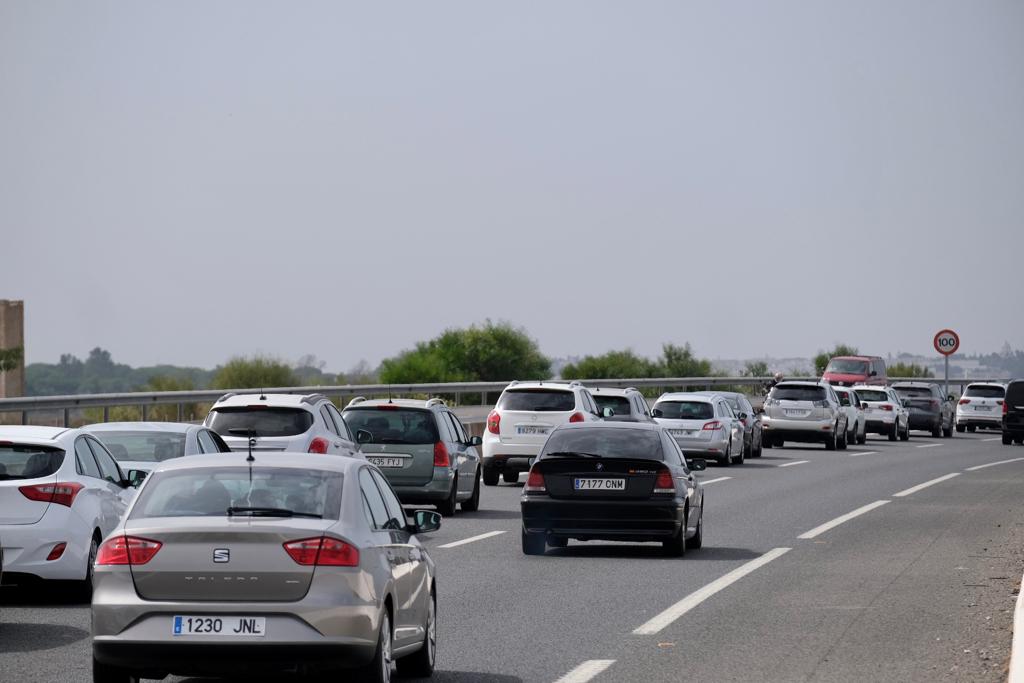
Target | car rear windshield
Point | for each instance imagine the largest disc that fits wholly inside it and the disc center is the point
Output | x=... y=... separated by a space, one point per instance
x=914 y=392
x=685 y=410
x=796 y=392
x=539 y=400
x=393 y=425
x=143 y=446
x=1015 y=393
x=29 y=462
x=847 y=366
x=872 y=395
x=618 y=404
x=209 y=492
x=976 y=391
x=264 y=420
x=606 y=443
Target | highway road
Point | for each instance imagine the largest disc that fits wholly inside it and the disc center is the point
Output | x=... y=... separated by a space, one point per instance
x=888 y=561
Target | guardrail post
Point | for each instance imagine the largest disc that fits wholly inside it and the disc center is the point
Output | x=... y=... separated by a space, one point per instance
x=181 y=412
x=106 y=413
x=457 y=401
x=145 y=412
x=67 y=417
x=24 y=417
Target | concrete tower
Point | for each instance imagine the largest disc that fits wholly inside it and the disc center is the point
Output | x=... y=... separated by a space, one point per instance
x=12 y=336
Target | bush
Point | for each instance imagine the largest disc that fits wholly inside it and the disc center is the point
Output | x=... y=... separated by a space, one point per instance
x=909 y=370
x=258 y=372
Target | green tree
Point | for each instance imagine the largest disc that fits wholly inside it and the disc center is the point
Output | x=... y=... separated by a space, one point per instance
x=823 y=357
x=909 y=370
x=257 y=372
x=679 y=361
x=755 y=368
x=612 y=365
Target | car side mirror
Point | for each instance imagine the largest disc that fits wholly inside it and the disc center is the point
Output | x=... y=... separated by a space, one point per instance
x=363 y=436
x=425 y=521
x=874 y=373
x=743 y=416
x=475 y=441
x=607 y=412
x=863 y=405
x=950 y=398
x=697 y=464
x=656 y=413
x=135 y=477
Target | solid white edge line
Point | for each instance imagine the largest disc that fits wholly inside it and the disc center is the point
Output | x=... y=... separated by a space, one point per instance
x=1017 y=647
x=928 y=445
x=471 y=539
x=586 y=671
x=790 y=464
x=818 y=530
x=998 y=438
x=915 y=489
x=993 y=464
x=677 y=610
x=854 y=455
x=712 y=481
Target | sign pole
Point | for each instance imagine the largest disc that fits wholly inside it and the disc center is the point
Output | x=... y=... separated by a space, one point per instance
x=947 y=377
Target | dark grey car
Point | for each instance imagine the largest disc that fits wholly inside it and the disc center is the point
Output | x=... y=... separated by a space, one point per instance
x=930 y=411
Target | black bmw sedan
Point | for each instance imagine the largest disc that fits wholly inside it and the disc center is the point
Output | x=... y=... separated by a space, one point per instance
x=617 y=481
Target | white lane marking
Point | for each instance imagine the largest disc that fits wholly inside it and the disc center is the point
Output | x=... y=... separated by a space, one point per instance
x=998 y=438
x=928 y=445
x=585 y=671
x=693 y=599
x=915 y=489
x=854 y=455
x=796 y=462
x=993 y=464
x=819 y=530
x=712 y=481
x=471 y=539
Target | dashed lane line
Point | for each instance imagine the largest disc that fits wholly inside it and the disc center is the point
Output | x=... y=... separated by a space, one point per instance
x=697 y=597
x=586 y=671
x=998 y=438
x=933 y=482
x=471 y=539
x=712 y=481
x=993 y=464
x=860 y=453
x=928 y=445
x=819 y=530
x=795 y=462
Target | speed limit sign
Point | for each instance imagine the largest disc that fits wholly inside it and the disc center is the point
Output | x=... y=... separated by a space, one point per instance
x=947 y=342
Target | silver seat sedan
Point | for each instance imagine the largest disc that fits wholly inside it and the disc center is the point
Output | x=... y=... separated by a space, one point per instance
x=282 y=563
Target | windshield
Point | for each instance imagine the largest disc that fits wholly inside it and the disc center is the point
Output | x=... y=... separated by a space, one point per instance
x=541 y=400
x=263 y=420
x=29 y=462
x=619 y=404
x=847 y=366
x=143 y=446
x=977 y=391
x=393 y=425
x=685 y=410
x=914 y=392
x=606 y=443
x=796 y=392
x=209 y=492
x=872 y=395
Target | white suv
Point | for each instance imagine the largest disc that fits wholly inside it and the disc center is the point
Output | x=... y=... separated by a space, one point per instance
x=804 y=412
x=521 y=421
x=884 y=413
x=282 y=422
x=980 y=406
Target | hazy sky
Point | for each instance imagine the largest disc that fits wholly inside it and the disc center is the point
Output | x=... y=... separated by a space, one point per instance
x=181 y=182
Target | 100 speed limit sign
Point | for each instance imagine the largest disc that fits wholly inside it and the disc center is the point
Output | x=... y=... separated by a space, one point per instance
x=947 y=342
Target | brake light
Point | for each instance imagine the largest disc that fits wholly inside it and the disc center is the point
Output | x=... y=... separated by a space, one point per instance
x=964 y=401
x=318 y=445
x=664 y=483
x=576 y=417
x=322 y=552
x=61 y=493
x=886 y=407
x=388 y=406
x=934 y=403
x=1006 y=407
x=494 y=422
x=712 y=426
x=127 y=550
x=441 y=458
x=535 y=483
x=56 y=552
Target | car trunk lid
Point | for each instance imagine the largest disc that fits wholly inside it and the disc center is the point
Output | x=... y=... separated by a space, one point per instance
x=561 y=474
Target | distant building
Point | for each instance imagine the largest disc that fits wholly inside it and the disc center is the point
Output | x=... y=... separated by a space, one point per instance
x=12 y=348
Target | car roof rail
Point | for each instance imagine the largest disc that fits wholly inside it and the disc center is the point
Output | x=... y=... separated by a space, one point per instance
x=226 y=396
x=435 y=402
x=313 y=398
x=513 y=383
x=632 y=389
x=355 y=400
x=575 y=383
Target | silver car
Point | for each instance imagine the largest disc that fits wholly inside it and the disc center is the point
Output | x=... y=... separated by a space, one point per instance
x=281 y=563
x=138 y=447
x=804 y=412
x=704 y=426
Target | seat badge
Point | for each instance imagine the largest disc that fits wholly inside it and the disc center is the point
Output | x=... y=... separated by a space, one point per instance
x=221 y=555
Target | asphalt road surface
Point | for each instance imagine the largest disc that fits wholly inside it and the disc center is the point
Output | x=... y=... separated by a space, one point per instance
x=888 y=561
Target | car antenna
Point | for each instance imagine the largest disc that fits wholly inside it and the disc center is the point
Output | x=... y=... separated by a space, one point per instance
x=263 y=394
x=389 y=394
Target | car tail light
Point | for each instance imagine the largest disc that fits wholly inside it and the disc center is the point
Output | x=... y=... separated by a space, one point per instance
x=1006 y=407
x=61 y=493
x=441 y=458
x=576 y=417
x=933 y=403
x=318 y=445
x=664 y=483
x=388 y=406
x=964 y=401
x=886 y=407
x=322 y=552
x=712 y=426
x=494 y=422
x=127 y=550
x=535 y=483
x=56 y=552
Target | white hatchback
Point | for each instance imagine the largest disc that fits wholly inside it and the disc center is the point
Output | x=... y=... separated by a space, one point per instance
x=980 y=406
x=884 y=411
x=61 y=493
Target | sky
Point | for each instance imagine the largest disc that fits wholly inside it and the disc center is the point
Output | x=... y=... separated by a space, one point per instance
x=185 y=182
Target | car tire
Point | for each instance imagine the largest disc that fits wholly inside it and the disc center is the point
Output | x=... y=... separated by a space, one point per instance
x=971 y=429
x=738 y=459
x=894 y=431
x=378 y=670
x=760 y=448
x=510 y=477
x=863 y=438
x=1007 y=439
x=533 y=544
x=841 y=443
x=947 y=432
x=697 y=540
x=448 y=505
x=1019 y=441
x=832 y=440
x=961 y=429
x=491 y=476
x=420 y=664
x=905 y=435
x=105 y=673
x=676 y=546
x=937 y=430
x=472 y=504
x=725 y=460
x=766 y=441
x=85 y=587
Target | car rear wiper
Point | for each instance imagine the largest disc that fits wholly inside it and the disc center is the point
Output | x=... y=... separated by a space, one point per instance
x=270 y=512
x=562 y=454
x=8 y=477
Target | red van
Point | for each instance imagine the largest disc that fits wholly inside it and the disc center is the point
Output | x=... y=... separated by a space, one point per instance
x=849 y=370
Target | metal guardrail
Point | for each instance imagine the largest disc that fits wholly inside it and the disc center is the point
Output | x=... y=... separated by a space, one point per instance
x=146 y=400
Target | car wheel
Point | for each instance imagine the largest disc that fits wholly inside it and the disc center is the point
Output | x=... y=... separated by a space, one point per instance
x=1019 y=442
x=697 y=541
x=725 y=460
x=472 y=504
x=760 y=448
x=961 y=429
x=894 y=431
x=447 y=506
x=841 y=441
x=831 y=440
x=105 y=673
x=510 y=477
x=738 y=459
x=533 y=544
x=971 y=428
x=905 y=435
x=676 y=546
x=766 y=441
x=863 y=438
x=491 y=476
x=420 y=664
x=1007 y=439
x=937 y=429
x=86 y=585
x=379 y=668
x=947 y=432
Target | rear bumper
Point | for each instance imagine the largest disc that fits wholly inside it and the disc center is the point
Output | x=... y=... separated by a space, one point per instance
x=798 y=430
x=611 y=520
x=25 y=546
x=995 y=419
x=508 y=456
x=438 y=488
x=713 y=448
x=925 y=420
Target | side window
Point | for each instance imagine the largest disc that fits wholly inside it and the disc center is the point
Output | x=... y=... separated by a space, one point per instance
x=444 y=426
x=672 y=453
x=373 y=499
x=328 y=420
x=588 y=402
x=108 y=468
x=342 y=425
x=84 y=460
x=396 y=514
x=459 y=431
x=206 y=442
x=726 y=411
